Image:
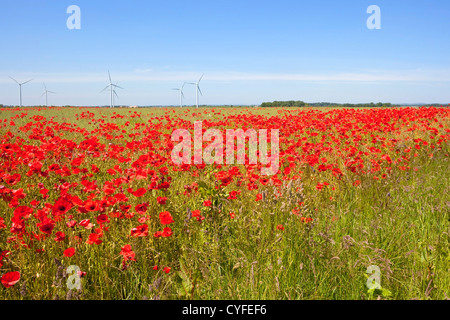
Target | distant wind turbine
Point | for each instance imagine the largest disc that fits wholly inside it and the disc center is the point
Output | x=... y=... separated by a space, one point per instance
x=46 y=92
x=20 y=88
x=115 y=93
x=181 y=94
x=111 y=86
x=197 y=88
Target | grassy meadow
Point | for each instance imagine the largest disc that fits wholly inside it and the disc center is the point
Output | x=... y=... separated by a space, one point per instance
x=356 y=188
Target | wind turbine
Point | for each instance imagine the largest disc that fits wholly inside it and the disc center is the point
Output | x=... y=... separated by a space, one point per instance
x=20 y=88
x=181 y=94
x=111 y=86
x=197 y=88
x=46 y=92
x=115 y=93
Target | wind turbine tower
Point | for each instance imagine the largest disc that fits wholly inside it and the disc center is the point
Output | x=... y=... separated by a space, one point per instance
x=20 y=88
x=114 y=91
x=197 y=87
x=111 y=86
x=181 y=94
x=46 y=92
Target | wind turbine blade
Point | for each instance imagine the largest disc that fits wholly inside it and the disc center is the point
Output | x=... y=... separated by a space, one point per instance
x=42 y=95
x=105 y=88
x=200 y=79
x=175 y=89
x=27 y=81
x=15 y=80
x=116 y=94
x=109 y=77
x=51 y=92
x=44 y=86
x=182 y=94
x=191 y=83
x=117 y=86
x=200 y=91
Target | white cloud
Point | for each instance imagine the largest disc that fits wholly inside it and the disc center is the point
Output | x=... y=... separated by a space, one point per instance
x=143 y=75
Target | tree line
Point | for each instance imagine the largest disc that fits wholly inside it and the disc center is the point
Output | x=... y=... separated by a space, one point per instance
x=292 y=103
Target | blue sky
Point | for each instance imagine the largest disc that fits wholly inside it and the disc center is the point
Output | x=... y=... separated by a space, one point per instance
x=250 y=51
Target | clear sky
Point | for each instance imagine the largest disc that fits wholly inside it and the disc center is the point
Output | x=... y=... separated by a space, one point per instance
x=250 y=51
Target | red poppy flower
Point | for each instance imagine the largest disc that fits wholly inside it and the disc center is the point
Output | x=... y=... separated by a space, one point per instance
x=125 y=208
x=197 y=214
x=139 y=192
x=157 y=234
x=34 y=203
x=47 y=228
x=71 y=223
x=167 y=269
x=60 y=236
x=69 y=252
x=233 y=194
x=141 y=208
x=140 y=231
x=161 y=200
x=86 y=224
x=207 y=203
x=54 y=167
x=103 y=218
x=23 y=212
x=167 y=232
x=81 y=273
x=2 y=223
x=61 y=207
x=94 y=238
x=13 y=179
x=2 y=255
x=164 y=171
x=305 y=220
x=165 y=217
x=142 y=219
x=76 y=162
x=280 y=227
x=90 y=206
x=127 y=253
x=11 y=278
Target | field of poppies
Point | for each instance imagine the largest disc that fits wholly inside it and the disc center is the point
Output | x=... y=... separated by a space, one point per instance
x=93 y=207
